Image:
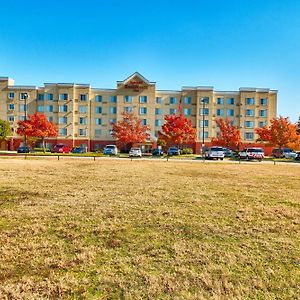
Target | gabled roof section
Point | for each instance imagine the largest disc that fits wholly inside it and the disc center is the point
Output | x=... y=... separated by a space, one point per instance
x=134 y=76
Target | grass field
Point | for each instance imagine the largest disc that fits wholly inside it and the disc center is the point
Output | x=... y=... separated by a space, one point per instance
x=115 y=229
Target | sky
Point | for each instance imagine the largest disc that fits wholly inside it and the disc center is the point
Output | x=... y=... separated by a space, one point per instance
x=225 y=44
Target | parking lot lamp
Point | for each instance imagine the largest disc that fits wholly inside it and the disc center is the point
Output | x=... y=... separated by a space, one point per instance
x=25 y=96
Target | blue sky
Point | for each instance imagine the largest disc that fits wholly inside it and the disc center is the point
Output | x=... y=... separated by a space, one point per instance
x=225 y=44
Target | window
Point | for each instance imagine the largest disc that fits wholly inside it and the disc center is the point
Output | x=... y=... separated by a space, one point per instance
x=128 y=109
x=264 y=101
x=204 y=100
x=173 y=100
x=98 y=121
x=204 y=111
x=113 y=109
x=82 y=109
x=11 y=118
x=112 y=121
x=262 y=124
x=158 y=111
x=250 y=101
x=113 y=99
x=230 y=101
x=158 y=100
x=249 y=124
x=128 y=99
x=63 y=97
x=205 y=123
x=220 y=100
x=143 y=99
x=173 y=111
x=82 y=132
x=82 y=120
x=249 y=136
x=220 y=112
x=230 y=112
x=22 y=118
x=62 y=120
x=187 y=111
x=263 y=113
x=49 y=97
x=22 y=107
x=11 y=106
x=24 y=96
x=250 y=112
x=144 y=121
x=11 y=95
x=187 y=100
x=83 y=97
x=205 y=134
x=98 y=110
x=62 y=131
x=40 y=108
x=98 y=132
x=158 y=122
x=50 y=119
x=98 y=98
x=49 y=108
x=63 y=108
x=143 y=110
x=40 y=97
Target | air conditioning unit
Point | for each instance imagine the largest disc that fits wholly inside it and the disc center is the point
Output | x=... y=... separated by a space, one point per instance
x=75 y=134
x=75 y=123
x=76 y=111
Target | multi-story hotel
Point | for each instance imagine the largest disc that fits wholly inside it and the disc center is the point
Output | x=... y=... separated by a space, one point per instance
x=83 y=114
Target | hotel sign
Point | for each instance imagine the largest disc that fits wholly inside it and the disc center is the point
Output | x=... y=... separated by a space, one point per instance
x=136 y=85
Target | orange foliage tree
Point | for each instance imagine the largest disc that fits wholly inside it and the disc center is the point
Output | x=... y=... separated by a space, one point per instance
x=177 y=130
x=229 y=135
x=37 y=126
x=130 y=131
x=281 y=133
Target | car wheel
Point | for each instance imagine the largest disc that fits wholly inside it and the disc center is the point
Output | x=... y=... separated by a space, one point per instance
x=221 y=158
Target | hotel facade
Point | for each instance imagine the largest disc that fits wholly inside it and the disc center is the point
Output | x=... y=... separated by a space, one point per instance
x=84 y=114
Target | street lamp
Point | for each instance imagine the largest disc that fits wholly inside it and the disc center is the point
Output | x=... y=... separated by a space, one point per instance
x=203 y=100
x=25 y=96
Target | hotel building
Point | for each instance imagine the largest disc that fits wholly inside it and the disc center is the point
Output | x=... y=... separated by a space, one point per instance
x=83 y=114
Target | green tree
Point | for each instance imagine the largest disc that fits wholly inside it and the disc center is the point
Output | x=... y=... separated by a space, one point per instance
x=5 y=130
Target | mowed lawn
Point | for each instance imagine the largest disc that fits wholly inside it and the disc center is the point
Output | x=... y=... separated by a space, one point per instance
x=121 y=229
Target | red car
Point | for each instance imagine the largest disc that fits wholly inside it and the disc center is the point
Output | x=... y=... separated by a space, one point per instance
x=60 y=148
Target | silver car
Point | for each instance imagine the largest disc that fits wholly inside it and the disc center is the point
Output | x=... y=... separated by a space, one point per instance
x=135 y=152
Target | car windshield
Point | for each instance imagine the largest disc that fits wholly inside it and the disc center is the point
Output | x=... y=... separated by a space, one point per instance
x=216 y=148
x=175 y=149
x=110 y=147
x=255 y=150
x=135 y=149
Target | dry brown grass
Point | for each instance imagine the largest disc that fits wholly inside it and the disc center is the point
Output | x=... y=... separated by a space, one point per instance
x=148 y=230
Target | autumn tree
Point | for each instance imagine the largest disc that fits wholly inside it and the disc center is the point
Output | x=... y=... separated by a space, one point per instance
x=37 y=126
x=130 y=131
x=177 y=130
x=281 y=133
x=5 y=130
x=229 y=135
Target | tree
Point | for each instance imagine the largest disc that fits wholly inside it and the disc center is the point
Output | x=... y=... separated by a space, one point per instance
x=177 y=130
x=5 y=130
x=130 y=131
x=229 y=135
x=37 y=126
x=281 y=133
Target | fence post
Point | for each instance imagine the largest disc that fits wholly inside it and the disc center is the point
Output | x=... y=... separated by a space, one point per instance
x=57 y=157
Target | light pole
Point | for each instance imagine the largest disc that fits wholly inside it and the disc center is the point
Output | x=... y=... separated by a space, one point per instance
x=26 y=96
x=203 y=118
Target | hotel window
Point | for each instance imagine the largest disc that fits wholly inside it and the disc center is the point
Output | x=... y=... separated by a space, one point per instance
x=143 y=99
x=40 y=97
x=62 y=131
x=82 y=120
x=144 y=121
x=98 y=121
x=82 y=132
x=40 y=108
x=62 y=120
x=11 y=118
x=50 y=118
x=230 y=112
x=158 y=122
x=82 y=109
x=158 y=111
x=22 y=107
x=98 y=98
x=98 y=132
x=220 y=112
x=63 y=108
x=11 y=106
x=11 y=95
x=128 y=99
x=263 y=113
x=204 y=99
x=143 y=110
x=220 y=100
x=262 y=124
x=173 y=100
x=263 y=101
x=83 y=97
x=158 y=100
x=63 y=97
x=187 y=100
x=98 y=109
x=23 y=96
x=113 y=110
x=113 y=99
x=187 y=111
x=205 y=134
x=22 y=118
x=249 y=124
x=230 y=101
x=249 y=112
x=250 y=101
x=128 y=109
x=205 y=123
x=249 y=136
x=49 y=108
x=173 y=111
x=49 y=97
x=112 y=121
x=204 y=111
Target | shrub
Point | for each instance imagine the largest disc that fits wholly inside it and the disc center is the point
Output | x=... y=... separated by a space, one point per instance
x=187 y=151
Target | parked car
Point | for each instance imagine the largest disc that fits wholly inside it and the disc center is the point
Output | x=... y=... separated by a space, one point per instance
x=283 y=153
x=215 y=152
x=78 y=150
x=110 y=150
x=135 y=152
x=173 y=151
x=297 y=156
x=157 y=152
x=60 y=148
x=24 y=149
x=252 y=153
x=227 y=152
